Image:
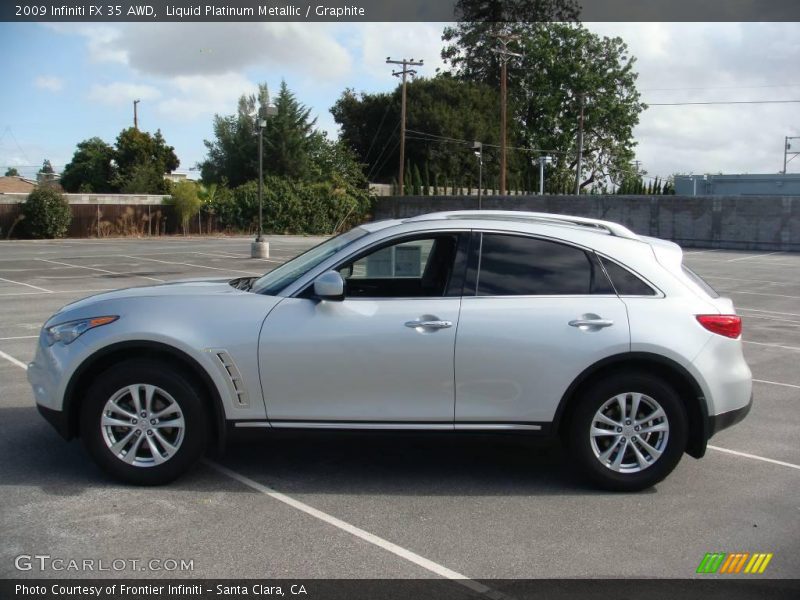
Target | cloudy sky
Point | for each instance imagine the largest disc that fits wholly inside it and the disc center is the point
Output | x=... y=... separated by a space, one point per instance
x=63 y=83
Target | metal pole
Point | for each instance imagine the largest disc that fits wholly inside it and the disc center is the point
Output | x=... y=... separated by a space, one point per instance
x=785 y=153
x=503 y=95
x=401 y=171
x=541 y=176
x=580 y=151
x=260 y=237
x=135 y=115
x=480 y=179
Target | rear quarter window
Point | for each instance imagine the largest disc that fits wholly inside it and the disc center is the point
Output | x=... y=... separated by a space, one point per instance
x=699 y=282
x=625 y=282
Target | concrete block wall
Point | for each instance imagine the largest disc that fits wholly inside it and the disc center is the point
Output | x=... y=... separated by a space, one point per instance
x=726 y=222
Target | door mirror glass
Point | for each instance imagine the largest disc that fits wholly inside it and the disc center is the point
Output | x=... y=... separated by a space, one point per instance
x=329 y=286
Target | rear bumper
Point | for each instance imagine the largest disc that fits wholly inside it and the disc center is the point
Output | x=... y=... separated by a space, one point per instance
x=717 y=423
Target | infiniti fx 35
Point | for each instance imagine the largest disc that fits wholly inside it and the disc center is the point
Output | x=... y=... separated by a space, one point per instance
x=492 y=321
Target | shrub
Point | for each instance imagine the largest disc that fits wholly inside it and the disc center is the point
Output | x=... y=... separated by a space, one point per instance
x=186 y=201
x=293 y=207
x=46 y=214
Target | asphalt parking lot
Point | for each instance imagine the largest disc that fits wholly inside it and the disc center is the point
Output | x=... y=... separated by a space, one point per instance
x=400 y=506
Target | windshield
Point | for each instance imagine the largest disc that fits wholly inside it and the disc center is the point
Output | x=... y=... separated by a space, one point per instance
x=277 y=279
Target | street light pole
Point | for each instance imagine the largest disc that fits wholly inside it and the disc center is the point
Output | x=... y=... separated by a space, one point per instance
x=260 y=248
x=478 y=148
x=261 y=124
x=543 y=160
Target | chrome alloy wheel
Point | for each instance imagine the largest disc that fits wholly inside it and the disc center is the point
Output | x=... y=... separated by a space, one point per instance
x=142 y=425
x=629 y=432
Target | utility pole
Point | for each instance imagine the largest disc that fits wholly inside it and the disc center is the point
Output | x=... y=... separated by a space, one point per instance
x=505 y=55
x=402 y=74
x=787 y=146
x=136 y=115
x=582 y=97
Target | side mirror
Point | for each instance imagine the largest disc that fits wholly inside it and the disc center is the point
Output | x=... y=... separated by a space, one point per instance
x=329 y=286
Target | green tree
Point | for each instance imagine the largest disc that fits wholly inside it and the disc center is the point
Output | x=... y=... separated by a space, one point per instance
x=291 y=143
x=91 y=169
x=450 y=113
x=289 y=137
x=563 y=66
x=46 y=213
x=142 y=160
x=187 y=202
x=47 y=168
x=12 y=172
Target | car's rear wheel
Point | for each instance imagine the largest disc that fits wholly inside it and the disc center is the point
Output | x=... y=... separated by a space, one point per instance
x=144 y=422
x=628 y=431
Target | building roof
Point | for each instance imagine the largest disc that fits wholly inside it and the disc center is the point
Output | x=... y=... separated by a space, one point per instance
x=15 y=184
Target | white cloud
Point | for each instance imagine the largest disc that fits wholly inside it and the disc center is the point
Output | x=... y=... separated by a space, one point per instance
x=693 y=62
x=376 y=41
x=202 y=95
x=169 y=49
x=121 y=92
x=49 y=82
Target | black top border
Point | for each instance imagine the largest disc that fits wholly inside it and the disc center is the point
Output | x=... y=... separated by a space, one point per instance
x=152 y=11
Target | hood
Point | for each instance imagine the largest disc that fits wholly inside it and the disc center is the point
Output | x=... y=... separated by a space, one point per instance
x=188 y=287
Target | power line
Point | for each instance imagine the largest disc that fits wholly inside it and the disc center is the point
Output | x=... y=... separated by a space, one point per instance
x=723 y=102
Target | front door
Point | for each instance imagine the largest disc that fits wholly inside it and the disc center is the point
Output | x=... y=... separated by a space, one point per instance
x=383 y=354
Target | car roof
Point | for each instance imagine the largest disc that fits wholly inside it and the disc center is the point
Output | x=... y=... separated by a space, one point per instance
x=524 y=217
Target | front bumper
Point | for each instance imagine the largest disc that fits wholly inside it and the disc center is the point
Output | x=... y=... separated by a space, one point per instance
x=56 y=418
x=717 y=423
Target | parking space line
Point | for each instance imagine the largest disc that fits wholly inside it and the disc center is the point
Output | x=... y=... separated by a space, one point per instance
x=759 y=294
x=36 y=287
x=752 y=256
x=371 y=538
x=55 y=262
x=772 y=312
x=790 y=385
x=13 y=361
x=19 y=337
x=170 y=262
x=755 y=457
x=740 y=280
x=795 y=348
x=59 y=292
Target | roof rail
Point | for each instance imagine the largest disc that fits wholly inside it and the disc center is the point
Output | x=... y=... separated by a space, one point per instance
x=609 y=227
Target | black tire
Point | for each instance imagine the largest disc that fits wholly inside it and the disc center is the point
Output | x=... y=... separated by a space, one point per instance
x=185 y=393
x=595 y=396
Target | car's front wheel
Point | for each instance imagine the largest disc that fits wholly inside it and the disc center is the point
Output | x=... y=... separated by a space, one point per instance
x=144 y=422
x=628 y=432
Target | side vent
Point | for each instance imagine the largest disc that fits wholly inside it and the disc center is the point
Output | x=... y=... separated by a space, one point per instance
x=240 y=394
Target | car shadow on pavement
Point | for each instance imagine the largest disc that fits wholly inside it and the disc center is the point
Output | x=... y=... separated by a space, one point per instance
x=443 y=463
x=399 y=463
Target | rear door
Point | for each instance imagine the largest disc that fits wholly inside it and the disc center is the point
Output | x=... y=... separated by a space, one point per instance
x=535 y=314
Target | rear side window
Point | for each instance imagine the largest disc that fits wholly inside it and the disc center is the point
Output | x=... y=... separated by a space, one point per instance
x=625 y=282
x=700 y=282
x=512 y=265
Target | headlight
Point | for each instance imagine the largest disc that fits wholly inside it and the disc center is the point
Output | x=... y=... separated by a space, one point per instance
x=68 y=332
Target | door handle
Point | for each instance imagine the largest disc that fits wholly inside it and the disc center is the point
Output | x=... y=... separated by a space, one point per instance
x=434 y=324
x=591 y=323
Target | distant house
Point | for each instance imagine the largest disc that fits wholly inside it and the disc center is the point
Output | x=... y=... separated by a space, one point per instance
x=178 y=177
x=738 y=185
x=16 y=185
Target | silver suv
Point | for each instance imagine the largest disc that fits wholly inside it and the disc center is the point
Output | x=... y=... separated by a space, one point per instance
x=460 y=321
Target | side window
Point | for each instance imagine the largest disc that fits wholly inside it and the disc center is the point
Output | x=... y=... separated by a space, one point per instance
x=511 y=265
x=625 y=282
x=407 y=269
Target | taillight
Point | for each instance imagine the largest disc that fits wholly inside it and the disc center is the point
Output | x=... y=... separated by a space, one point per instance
x=727 y=325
